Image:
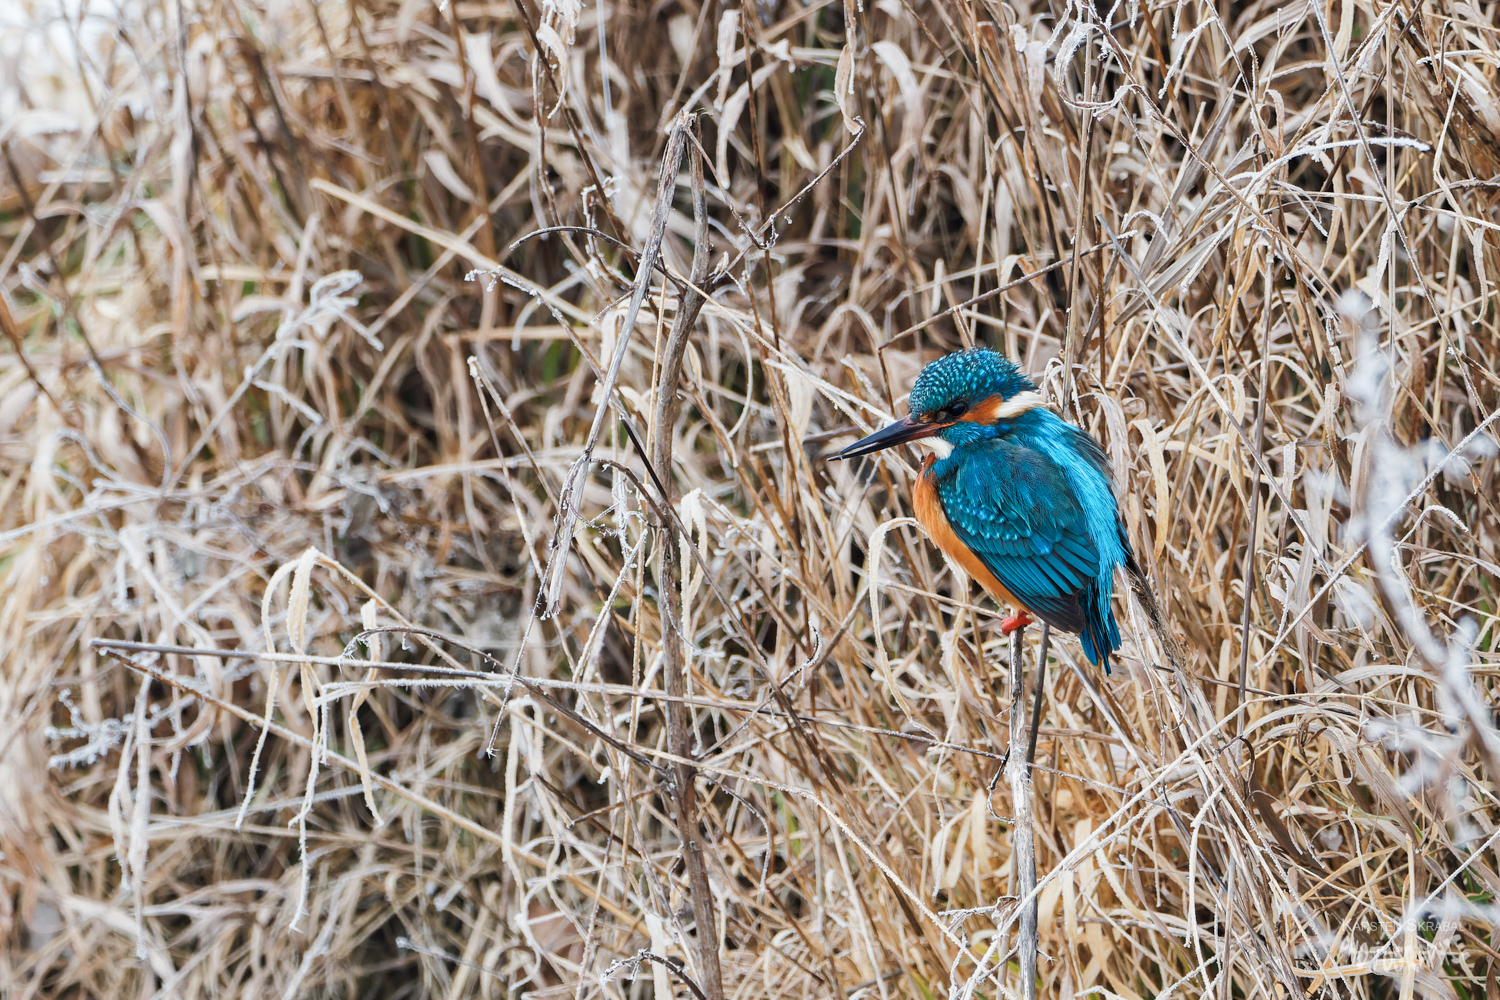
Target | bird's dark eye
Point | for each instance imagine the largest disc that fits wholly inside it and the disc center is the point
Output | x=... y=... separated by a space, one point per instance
x=955 y=410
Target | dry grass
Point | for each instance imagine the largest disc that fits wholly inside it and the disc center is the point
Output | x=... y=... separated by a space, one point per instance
x=214 y=437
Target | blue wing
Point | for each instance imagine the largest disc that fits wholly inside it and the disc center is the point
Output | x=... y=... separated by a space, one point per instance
x=1014 y=508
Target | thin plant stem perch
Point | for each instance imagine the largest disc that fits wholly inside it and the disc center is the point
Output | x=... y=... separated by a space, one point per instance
x=1018 y=775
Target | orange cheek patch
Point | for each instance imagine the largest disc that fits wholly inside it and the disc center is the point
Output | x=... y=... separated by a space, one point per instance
x=986 y=411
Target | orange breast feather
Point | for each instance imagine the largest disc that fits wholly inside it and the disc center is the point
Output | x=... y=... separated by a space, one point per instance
x=929 y=510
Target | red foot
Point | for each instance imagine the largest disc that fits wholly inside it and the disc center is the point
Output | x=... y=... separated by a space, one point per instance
x=1018 y=620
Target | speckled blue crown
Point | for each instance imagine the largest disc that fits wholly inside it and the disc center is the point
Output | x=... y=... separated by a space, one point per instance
x=968 y=375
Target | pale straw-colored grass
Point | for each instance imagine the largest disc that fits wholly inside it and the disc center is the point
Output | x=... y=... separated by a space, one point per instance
x=249 y=403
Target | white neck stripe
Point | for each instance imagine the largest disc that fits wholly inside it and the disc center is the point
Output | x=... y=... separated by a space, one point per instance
x=1018 y=404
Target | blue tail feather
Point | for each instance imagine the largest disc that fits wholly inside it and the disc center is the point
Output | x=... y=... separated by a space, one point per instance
x=1101 y=633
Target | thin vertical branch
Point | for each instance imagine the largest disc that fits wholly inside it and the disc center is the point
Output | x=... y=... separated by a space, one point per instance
x=1018 y=774
x=679 y=730
x=1036 y=702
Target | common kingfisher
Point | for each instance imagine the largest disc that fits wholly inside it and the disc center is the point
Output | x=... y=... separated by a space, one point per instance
x=1023 y=502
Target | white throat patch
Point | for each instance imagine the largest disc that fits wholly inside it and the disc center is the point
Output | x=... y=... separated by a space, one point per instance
x=942 y=449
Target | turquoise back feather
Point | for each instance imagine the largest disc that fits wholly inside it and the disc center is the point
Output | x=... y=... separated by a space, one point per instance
x=1032 y=498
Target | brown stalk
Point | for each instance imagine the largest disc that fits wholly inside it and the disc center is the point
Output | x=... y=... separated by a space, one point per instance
x=1261 y=403
x=13 y=334
x=680 y=732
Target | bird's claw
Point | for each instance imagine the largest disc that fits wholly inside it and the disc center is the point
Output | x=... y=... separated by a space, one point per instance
x=1018 y=620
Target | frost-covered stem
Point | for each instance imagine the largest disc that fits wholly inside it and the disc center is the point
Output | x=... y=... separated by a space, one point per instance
x=550 y=594
x=1018 y=775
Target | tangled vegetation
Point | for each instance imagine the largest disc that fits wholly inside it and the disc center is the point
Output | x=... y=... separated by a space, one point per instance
x=421 y=574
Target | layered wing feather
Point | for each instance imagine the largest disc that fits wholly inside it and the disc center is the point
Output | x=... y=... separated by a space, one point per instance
x=1013 y=507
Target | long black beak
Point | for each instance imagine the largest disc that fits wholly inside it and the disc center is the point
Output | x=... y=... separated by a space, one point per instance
x=905 y=429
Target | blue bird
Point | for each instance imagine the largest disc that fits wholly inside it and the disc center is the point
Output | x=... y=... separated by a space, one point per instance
x=1024 y=501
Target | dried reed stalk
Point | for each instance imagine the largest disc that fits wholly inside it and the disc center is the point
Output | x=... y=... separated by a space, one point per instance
x=680 y=732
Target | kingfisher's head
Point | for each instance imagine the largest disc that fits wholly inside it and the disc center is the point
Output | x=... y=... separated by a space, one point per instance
x=965 y=396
